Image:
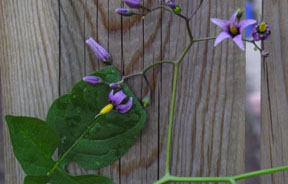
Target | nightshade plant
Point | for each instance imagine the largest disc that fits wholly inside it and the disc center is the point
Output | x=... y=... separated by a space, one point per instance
x=100 y=119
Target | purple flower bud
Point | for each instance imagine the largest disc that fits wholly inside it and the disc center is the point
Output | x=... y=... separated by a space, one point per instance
x=132 y=3
x=171 y=3
x=265 y=53
x=124 y=12
x=99 y=51
x=93 y=80
x=116 y=85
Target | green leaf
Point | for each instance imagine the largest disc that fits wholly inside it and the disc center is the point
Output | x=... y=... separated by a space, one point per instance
x=36 y=180
x=113 y=134
x=61 y=177
x=33 y=143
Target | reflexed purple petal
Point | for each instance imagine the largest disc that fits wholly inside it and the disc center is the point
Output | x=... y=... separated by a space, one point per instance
x=132 y=3
x=244 y=23
x=221 y=23
x=125 y=107
x=99 y=51
x=239 y=42
x=233 y=18
x=92 y=80
x=116 y=98
x=222 y=36
x=111 y=94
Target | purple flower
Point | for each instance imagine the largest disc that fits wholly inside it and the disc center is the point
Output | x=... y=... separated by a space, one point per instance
x=124 y=12
x=261 y=31
x=132 y=3
x=93 y=80
x=99 y=51
x=116 y=85
x=232 y=29
x=171 y=3
x=265 y=53
x=117 y=98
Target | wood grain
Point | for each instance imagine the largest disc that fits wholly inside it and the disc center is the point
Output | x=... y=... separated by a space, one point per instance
x=50 y=53
x=274 y=115
x=209 y=129
x=29 y=65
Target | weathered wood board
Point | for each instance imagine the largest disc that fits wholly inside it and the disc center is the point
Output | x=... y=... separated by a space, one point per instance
x=274 y=115
x=43 y=54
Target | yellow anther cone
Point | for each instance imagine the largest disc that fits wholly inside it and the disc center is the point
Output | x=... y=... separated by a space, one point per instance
x=106 y=109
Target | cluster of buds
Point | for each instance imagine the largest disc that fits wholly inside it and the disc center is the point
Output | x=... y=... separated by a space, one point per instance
x=115 y=98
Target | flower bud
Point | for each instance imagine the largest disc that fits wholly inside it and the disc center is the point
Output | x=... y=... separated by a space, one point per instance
x=93 y=80
x=99 y=51
x=177 y=9
x=171 y=4
x=265 y=53
x=116 y=85
x=240 y=13
x=132 y=3
x=124 y=12
x=146 y=101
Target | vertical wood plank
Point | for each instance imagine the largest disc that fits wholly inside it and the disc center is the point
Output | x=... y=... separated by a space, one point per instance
x=209 y=128
x=208 y=141
x=29 y=65
x=132 y=33
x=274 y=90
x=142 y=47
x=72 y=46
x=72 y=43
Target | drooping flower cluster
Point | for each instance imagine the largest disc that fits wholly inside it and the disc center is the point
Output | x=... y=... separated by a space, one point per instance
x=115 y=99
x=232 y=29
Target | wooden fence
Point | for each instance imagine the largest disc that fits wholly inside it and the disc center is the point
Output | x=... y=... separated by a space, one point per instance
x=43 y=54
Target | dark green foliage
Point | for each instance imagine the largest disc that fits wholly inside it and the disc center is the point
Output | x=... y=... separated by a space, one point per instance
x=61 y=177
x=114 y=133
x=36 y=179
x=34 y=141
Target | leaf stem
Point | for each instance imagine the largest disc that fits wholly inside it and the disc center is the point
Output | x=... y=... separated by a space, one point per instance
x=61 y=158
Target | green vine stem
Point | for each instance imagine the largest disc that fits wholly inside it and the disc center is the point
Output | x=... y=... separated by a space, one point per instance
x=171 y=116
x=167 y=177
x=231 y=179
